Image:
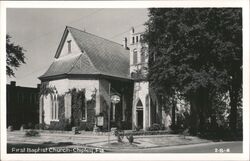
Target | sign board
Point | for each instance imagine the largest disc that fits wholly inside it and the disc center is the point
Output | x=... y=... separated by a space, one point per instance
x=115 y=99
x=100 y=121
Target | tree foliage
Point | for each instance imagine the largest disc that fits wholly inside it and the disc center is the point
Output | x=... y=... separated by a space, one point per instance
x=197 y=52
x=78 y=105
x=14 y=56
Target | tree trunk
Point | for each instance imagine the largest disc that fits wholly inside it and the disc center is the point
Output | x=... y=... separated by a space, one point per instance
x=235 y=97
x=194 y=118
x=203 y=98
x=233 y=110
x=173 y=113
x=199 y=110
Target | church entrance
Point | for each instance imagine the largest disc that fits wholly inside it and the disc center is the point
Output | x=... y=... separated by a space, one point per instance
x=140 y=119
x=139 y=113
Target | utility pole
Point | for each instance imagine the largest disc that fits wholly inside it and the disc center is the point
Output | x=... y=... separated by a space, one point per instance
x=109 y=115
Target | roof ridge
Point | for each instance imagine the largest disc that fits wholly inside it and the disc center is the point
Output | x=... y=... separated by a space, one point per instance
x=93 y=35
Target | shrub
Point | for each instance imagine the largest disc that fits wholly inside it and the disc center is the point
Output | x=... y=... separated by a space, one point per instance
x=32 y=133
x=21 y=128
x=37 y=126
x=155 y=127
x=137 y=128
x=66 y=124
x=10 y=128
x=119 y=135
x=75 y=130
x=147 y=133
x=24 y=126
x=175 y=129
x=43 y=126
x=185 y=133
x=130 y=138
x=88 y=128
x=60 y=125
x=30 y=125
x=126 y=125
x=119 y=138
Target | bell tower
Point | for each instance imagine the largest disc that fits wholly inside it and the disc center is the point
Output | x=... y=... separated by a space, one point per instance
x=137 y=53
x=141 y=116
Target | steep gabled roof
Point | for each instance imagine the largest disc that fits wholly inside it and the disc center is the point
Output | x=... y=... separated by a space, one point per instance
x=99 y=56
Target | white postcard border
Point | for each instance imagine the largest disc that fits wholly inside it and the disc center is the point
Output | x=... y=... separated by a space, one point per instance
x=128 y=4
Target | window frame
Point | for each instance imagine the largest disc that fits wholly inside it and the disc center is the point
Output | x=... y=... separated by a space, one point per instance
x=55 y=108
x=85 y=118
x=69 y=46
x=135 y=55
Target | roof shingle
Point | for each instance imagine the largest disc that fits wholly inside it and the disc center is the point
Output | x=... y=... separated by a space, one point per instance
x=99 y=56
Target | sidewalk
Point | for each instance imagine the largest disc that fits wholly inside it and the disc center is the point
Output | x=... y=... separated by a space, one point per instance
x=103 y=141
x=152 y=141
x=86 y=138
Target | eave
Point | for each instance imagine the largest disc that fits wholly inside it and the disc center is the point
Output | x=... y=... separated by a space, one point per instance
x=82 y=76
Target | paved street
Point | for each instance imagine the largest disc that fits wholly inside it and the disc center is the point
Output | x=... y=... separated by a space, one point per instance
x=234 y=147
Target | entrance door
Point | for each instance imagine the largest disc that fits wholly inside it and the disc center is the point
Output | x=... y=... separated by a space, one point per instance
x=140 y=119
x=139 y=112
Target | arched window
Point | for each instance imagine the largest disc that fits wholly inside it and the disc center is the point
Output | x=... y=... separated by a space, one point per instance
x=134 y=56
x=56 y=108
x=84 y=109
x=139 y=114
x=54 y=112
x=47 y=107
x=139 y=104
x=147 y=101
x=67 y=106
x=143 y=57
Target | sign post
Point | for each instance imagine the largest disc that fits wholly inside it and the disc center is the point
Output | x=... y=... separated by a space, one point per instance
x=114 y=100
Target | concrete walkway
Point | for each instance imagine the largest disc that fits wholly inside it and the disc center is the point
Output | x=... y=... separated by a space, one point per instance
x=101 y=140
x=152 y=141
x=87 y=138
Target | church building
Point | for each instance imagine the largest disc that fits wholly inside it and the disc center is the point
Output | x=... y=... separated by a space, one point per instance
x=102 y=69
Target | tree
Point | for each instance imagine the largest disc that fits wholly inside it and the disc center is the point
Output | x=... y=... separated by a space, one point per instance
x=14 y=56
x=197 y=52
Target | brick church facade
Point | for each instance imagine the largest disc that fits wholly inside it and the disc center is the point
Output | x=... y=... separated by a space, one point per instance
x=22 y=106
x=102 y=68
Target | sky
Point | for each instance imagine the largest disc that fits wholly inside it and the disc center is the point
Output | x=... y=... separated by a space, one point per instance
x=39 y=32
